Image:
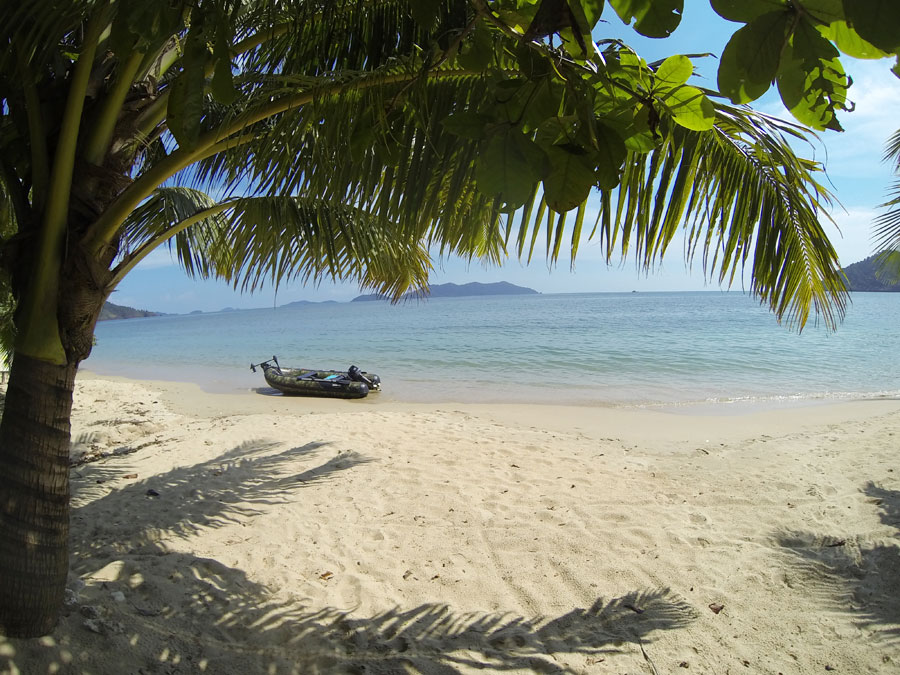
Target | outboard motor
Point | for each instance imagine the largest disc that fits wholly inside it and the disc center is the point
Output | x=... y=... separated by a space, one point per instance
x=356 y=375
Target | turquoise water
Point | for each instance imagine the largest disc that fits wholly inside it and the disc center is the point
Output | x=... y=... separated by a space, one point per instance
x=598 y=348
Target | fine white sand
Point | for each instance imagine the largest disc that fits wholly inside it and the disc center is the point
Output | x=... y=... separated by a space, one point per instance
x=256 y=534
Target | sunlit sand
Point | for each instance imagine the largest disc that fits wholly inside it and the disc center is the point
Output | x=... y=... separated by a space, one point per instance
x=259 y=534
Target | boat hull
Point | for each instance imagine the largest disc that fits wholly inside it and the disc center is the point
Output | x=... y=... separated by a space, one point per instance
x=317 y=383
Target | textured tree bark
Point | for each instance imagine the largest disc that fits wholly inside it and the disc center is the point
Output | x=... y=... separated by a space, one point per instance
x=34 y=495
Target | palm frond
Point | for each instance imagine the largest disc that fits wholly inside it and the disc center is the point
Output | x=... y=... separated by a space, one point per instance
x=153 y=220
x=280 y=239
x=35 y=30
x=257 y=240
x=892 y=150
x=886 y=235
x=748 y=198
x=753 y=201
x=349 y=120
x=358 y=148
x=320 y=38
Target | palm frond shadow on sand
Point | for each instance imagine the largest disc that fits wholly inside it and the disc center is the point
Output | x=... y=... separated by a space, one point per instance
x=855 y=577
x=228 y=622
x=232 y=487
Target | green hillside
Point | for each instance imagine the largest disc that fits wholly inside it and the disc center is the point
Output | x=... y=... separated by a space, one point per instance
x=862 y=276
x=111 y=311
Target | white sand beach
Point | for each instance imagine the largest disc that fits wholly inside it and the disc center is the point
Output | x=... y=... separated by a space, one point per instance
x=244 y=534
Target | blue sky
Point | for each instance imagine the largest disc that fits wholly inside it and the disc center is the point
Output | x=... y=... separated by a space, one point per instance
x=853 y=160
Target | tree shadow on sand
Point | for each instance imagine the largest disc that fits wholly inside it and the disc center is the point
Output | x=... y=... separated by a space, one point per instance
x=224 y=621
x=230 y=488
x=852 y=576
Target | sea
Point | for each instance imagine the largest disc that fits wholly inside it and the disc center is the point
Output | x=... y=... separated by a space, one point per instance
x=674 y=350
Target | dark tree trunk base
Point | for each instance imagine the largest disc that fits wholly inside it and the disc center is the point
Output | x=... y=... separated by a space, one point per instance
x=34 y=496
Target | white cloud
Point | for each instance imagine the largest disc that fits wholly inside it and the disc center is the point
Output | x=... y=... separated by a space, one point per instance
x=854 y=241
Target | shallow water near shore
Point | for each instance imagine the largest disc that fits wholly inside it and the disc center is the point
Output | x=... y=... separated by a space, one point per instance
x=610 y=349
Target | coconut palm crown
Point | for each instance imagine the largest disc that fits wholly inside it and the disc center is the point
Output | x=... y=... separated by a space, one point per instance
x=267 y=141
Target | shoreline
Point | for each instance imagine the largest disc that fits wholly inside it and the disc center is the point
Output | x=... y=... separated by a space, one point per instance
x=241 y=533
x=224 y=387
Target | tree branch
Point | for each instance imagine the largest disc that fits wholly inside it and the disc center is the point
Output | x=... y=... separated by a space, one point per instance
x=37 y=137
x=105 y=227
x=104 y=125
x=38 y=334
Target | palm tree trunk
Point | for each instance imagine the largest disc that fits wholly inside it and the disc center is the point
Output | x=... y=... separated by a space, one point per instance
x=34 y=495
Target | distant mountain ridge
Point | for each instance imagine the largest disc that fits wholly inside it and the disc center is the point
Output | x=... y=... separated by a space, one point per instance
x=451 y=290
x=112 y=311
x=862 y=277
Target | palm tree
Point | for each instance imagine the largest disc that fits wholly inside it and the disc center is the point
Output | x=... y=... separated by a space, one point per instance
x=270 y=140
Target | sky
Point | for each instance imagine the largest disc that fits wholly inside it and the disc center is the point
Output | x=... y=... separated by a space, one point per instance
x=853 y=160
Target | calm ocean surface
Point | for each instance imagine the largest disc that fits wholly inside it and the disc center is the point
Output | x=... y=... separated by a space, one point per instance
x=634 y=349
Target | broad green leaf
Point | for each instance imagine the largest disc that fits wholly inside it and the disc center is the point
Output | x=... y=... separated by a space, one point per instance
x=509 y=166
x=592 y=10
x=876 y=21
x=691 y=108
x=520 y=17
x=826 y=11
x=638 y=136
x=466 y=124
x=222 y=84
x=150 y=20
x=121 y=38
x=630 y=68
x=559 y=130
x=673 y=72
x=544 y=101
x=528 y=102
x=185 y=106
x=811 y=80
x=849 y=41
x=807 y=104
x=609 y=157
x=531 y=64
x=479 y=51
x=744 y=11
x=425 y=12
x=808 y=45
x=750 y=60
x=653 y=18
x=585 y=14
x=570 y=178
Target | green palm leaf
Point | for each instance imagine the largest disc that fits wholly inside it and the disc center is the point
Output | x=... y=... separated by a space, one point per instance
x=747 y=197
x=258 y=240
x=886 y=235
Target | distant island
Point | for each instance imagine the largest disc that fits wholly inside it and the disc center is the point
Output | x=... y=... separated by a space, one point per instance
x=861 y=277
x=112 y=311
x=303 y=303
x=459 y=291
